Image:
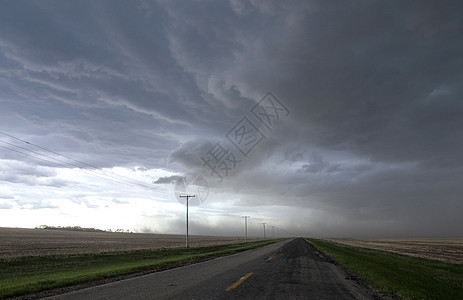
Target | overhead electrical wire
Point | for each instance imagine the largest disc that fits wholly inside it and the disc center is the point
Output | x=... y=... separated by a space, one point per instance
x=157 y=190
x=62 y=155
x=17 y=151
x=81 y=169
x=111 y=177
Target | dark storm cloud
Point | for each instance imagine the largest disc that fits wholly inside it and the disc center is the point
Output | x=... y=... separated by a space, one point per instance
x=189 y=153
x=373 y=87
x=84 y=67
x=378 y=83
x=378 y=80
x=168 y=179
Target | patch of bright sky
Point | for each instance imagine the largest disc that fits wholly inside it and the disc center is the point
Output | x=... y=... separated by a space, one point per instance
x=107 y=204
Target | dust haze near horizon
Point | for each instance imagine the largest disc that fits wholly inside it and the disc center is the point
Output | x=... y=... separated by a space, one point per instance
x=371 y=143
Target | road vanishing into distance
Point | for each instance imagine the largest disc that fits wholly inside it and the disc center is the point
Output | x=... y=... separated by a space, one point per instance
x=291 y=269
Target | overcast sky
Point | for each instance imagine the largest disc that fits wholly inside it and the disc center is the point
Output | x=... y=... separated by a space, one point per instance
x=360 y=135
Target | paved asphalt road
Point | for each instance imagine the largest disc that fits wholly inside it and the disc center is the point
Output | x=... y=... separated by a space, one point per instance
x=286 y=270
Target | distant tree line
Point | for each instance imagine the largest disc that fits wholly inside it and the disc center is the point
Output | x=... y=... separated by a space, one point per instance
x=69 y=228
x=78 y=228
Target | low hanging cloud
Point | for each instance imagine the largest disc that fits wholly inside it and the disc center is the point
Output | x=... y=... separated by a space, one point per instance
x=169 y=179
x=188 y=154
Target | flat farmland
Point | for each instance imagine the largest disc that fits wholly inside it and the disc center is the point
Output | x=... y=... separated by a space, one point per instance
x=25 y=242
x=445 y=250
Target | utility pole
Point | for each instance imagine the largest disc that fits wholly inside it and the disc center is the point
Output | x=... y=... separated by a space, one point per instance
x=264 y=229
x=273 y=231
x=246 y=228
x=187 y=200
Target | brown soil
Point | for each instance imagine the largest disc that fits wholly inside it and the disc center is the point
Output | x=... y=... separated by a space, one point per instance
x=447 y=250
x=19 y=242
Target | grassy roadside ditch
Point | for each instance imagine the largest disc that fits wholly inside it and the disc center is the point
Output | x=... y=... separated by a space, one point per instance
x=399 y=275
x=32 y=274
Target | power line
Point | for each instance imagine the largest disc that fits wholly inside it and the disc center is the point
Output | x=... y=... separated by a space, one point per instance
x=48 y=150
x=64 y=166
x=121 y=179
x=70 y=158
x=38 y=153
x=48 y=161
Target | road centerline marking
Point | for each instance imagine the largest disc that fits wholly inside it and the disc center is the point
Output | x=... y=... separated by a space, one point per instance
x=238 y=282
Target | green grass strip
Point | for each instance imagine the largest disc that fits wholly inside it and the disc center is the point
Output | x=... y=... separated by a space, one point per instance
x=400 y=275
x=32 y=274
